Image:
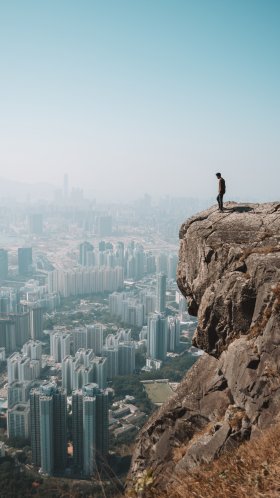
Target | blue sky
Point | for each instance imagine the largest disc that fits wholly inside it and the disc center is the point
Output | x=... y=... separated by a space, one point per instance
x=142 y=96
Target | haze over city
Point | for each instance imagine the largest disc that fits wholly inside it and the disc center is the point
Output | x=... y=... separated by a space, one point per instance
x=132 y=97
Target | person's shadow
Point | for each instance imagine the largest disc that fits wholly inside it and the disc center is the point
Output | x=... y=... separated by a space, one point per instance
x=238 y=209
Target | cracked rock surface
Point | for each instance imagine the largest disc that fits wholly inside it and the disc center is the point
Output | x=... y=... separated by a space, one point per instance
x=229 y=271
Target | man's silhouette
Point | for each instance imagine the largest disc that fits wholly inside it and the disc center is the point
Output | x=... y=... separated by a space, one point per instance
x=221 y=191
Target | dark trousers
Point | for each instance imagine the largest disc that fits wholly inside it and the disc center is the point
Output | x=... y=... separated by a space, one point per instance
x=220 y=201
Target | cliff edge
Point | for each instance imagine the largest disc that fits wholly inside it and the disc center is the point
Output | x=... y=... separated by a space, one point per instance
x=229 y=271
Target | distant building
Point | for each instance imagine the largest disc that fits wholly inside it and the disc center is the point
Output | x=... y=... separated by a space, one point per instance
x=161 y=263
x=36 y=223
x=126 y=358
x=173 y=340
x=12 y=367
x=21 y=368
x=112 y=354
x=9 y=300
x=157 y=336
x=24 y=260
x=80 y=338
x=95 y=338
x=104 y=225
x=100 y=371
x=19 y=421
x=172 y=266
x=161 y=293
x=22 y=327
x=8 y=334
x=18 y=392
x=3 y=264
x=36 y=322
x=67 y=373
x=60 y=343
x=33 y=349
x=86 y=256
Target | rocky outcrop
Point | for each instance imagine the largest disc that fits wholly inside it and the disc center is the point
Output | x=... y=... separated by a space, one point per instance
x=229 y=271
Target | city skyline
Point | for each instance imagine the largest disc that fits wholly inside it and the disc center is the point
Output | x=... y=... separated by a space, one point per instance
x=130 y=97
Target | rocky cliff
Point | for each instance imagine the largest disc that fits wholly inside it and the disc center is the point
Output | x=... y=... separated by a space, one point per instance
x=229 y=271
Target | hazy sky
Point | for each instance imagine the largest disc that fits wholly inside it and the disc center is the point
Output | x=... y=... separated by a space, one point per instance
x=142 y=95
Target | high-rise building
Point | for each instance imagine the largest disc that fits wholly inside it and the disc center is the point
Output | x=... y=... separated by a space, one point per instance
x=86 y=257
x=161 y=263
x=21 y=368
x=102 y=424
x=173 y=334
x=28 y=369
x=90 y=427
x=89 y=435
x=161 y=293
x=82 y=375
x=24 y=260
x=33 y=349
x=18 y=392
x=172 y=266
x=19 y=421
x=126 y=358
x=104 y=225
x=3 y=264
x=12 y=367
x=95 y=338
x=112 y=354
x=60 y=343
x=35 y=426
x=84 y=356
x=48 y=427
x=36 y=223
x=36 y=322
x=46 y=434
x=100 y=371
x=67 y=373
x=22 y=325
x=157 y=336
x=9 y=300
x=77 y=428
x=80 y=338
x=8 y=334
x=139 y=261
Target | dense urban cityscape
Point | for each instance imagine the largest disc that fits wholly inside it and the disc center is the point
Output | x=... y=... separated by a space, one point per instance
x=94 y=333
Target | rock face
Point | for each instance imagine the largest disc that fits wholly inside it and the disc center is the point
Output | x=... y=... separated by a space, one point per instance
x=229 y=271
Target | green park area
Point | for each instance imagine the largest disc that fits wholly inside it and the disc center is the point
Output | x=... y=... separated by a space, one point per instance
x=158 y=392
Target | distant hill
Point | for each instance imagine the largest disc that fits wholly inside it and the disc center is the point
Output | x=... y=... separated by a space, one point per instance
x=21 y=191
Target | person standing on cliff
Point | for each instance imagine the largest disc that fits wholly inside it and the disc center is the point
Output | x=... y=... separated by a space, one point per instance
x=221 y=191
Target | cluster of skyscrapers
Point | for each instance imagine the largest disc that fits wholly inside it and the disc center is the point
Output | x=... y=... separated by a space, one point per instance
x=77 y=282
x=39 y=409
x=135 y=261
x=90 y=442
x=133 y=310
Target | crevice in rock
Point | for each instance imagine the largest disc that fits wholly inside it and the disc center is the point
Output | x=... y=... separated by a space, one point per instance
x=253 y=364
